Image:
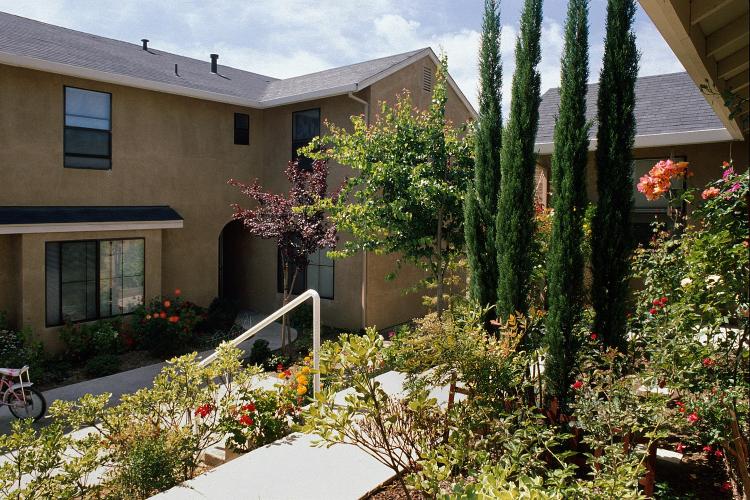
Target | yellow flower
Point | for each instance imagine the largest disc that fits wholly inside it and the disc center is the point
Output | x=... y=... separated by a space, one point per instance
x=307 y=360
x=282 y=375
x=301 y=390
x=306 y=370
x=302 y=380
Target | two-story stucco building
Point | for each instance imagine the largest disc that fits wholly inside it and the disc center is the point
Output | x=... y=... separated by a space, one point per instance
x=114 y=159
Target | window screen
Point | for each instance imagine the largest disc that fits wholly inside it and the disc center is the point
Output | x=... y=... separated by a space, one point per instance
x=305 y=126
x=241 y=129
x=88 y=129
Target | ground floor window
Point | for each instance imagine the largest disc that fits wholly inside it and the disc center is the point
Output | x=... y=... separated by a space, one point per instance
x=92 y=279
x=318 y=275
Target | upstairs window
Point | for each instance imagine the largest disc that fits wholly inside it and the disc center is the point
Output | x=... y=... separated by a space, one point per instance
x=305 y=126
x=241 y=129
x=88 y=129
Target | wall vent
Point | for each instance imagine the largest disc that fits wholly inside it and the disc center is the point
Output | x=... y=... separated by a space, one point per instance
x=427 y=79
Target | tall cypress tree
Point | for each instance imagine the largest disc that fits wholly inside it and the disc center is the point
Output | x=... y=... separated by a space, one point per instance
x=565 y=260
x=515 y=215
x=611 y=241
x=482 y=195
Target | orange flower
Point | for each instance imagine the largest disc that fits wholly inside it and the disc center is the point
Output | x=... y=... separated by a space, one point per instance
x=162 y=315
x=177 y=292
x=709 y=193
x=174 y=319
x=657 y=182
x=167 y=303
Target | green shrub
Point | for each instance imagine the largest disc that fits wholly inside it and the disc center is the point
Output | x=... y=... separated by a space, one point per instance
x=18 y=348
x=84 y=340
x=148 y=465
x=167 y=326
x=301 y=319
x=260 y=353
x=259 y=419
x=220 y=316
x=102 y=365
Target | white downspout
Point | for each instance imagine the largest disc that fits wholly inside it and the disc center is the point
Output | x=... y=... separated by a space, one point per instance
x=364 y=254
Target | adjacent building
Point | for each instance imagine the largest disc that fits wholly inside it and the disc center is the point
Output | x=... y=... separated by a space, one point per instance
x=673 y=120
x=114 y=159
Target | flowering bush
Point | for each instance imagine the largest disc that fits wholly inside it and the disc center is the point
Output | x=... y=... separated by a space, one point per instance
x=658 y=181
x=167 y=325
x=691 y=320
x=258 y=418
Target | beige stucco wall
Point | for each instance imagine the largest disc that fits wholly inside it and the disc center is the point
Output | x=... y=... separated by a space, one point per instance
x=10 y=276
x=177 y=151
x=705 y=161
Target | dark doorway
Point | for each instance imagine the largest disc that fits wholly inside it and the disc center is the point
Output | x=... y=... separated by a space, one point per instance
x=231 y=264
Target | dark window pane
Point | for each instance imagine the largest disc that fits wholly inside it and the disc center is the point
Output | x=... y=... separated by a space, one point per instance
x=88 y=162
x=241 y=129
x=52 y=265
x=86 y=142
x=305 y=124
x=121 y=283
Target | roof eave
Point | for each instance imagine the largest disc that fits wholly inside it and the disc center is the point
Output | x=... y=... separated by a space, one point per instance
x=658 y=140
x=128 y=81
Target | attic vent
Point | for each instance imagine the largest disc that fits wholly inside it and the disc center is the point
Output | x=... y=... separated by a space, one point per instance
x=427 y=79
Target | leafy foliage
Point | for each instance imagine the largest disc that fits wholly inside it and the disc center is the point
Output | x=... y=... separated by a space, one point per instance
x=565 y=260
x=515 y=212
x=482 y=194
x=412 y=168
x=611 y=244
x=298 y=229
x=167 y=325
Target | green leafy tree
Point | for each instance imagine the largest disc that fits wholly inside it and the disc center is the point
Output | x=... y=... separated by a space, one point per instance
x=482 y=195
x=406 y=197
x=515 y=214
x=565 y=261
x=611 y=245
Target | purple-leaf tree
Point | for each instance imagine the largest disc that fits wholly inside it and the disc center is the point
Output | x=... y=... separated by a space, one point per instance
x=298 y=229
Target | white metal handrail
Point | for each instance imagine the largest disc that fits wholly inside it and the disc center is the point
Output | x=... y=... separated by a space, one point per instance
x=276 y=315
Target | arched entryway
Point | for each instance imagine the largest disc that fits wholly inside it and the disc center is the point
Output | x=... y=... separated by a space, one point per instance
x=232 y=241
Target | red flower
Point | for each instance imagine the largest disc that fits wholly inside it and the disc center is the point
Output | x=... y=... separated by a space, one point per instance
x=693 y=418
x=576 y=385
x=679 y=403
x=707 y=448
x=167 y=303
x=727 y=486
x=279 y=367
x=204 y=410
x=656 y=302
x=174 y=319
x=663 y=301
x=177 y=292
x=707 y=362
x=246 y=420
x=162 y=315
x=593 y=336
x=718 y=453
x=248 y=407
x=653 y=311
x=680 y=448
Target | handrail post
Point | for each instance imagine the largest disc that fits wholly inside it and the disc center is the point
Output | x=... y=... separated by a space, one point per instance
x=316 y=342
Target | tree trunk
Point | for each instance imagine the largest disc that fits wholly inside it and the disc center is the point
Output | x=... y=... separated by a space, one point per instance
x=439 y=277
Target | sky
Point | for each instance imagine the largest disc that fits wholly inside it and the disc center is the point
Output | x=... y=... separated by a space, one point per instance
x=283 y=38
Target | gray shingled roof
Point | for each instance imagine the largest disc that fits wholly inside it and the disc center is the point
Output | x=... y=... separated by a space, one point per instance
x=67 y=214
x=664 y=104
x=20 y=36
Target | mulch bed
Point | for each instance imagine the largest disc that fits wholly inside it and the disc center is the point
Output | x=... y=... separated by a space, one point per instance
x=391 y=490
x=694 y=477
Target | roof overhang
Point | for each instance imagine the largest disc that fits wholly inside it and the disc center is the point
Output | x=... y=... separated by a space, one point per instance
x=67 y=219
x=710 y=38
x=658 y=140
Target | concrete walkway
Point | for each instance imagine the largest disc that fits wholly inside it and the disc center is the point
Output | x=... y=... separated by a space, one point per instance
x=130 y=381
x=293 y=469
